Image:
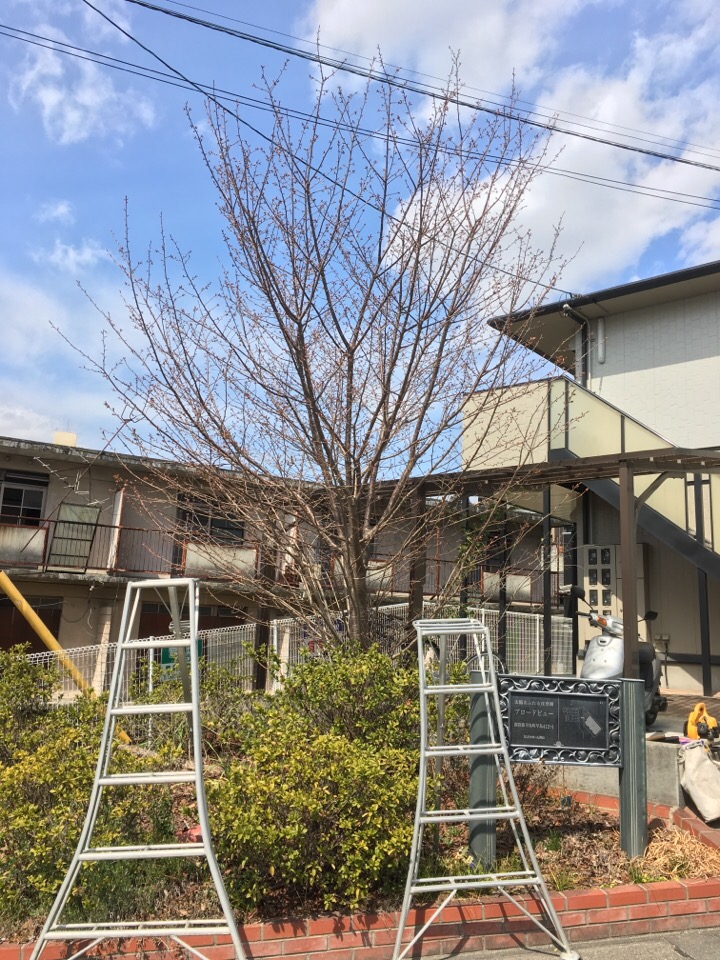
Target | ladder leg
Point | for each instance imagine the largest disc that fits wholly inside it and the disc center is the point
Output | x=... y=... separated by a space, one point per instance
x=164 y=929
x=434 y=684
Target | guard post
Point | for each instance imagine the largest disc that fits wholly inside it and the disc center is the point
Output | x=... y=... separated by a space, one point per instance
x=483 y=780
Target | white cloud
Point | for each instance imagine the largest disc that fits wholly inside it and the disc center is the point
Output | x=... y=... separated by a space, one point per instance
x=27 y=315
x=93 y=24
x=46 y=384
x=71 y=258
x=77 y=100
x=25 y=423
x=493 y=38
x=701 y=242
x=59 y=211
x=612 y=229
x=660 y=78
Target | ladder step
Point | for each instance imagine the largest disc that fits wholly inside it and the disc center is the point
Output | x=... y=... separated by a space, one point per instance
x=467 y=816
x=465 y=750
x=133 y=779
x=439 y=627
x=150 y=928
x=153 y=643
x=432 y=690
x=149 y=852
x=138 y=709
x=475 y=882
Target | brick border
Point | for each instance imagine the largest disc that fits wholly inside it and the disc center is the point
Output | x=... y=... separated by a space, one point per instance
x=493 y=924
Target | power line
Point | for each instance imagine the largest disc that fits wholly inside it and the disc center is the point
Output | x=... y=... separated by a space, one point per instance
x=310 y=166
x=533 y=108
x=254 y=103
x=411 y=87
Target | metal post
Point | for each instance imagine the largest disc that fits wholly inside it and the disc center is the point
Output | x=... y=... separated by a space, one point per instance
x=628 y=556
x=483 y=781
x=418 y=563
x=570 y=577
x=463 y=640
x=633 y=773
x=703 y=590
x=547 y=585
x=502 y=601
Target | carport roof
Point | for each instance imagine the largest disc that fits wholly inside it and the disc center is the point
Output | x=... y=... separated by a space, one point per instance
x=570 y=471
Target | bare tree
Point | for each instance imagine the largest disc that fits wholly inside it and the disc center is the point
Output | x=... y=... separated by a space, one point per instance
x=321 y=380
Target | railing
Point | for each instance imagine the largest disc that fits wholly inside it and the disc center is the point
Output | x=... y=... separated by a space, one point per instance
x=120 y=551
x=560 y=418
x=293 y=640
x=130 y=551
x=227 y=647
x=231 y=648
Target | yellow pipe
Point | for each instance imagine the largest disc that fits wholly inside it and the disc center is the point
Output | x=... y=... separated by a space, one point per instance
x=47 y=638
x=41 y=630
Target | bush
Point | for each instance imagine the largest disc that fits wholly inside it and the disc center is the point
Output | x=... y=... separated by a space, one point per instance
x=315 y=810
x=323 y=822
x=46 y=771
x=25 y=691
x=357 y=694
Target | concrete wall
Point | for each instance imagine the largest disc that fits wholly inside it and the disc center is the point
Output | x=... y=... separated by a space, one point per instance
x=663 y=776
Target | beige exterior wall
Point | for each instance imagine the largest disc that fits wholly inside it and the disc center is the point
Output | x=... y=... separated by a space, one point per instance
x=506 y=427
x=670 y=586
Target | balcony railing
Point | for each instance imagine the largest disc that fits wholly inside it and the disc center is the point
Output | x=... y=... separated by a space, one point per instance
x=63 y=546
x=67 y=547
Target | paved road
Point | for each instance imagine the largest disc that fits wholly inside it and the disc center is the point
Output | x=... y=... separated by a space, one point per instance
x=683 y=945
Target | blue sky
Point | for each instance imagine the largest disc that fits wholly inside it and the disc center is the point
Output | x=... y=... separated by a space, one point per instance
x=79 y=139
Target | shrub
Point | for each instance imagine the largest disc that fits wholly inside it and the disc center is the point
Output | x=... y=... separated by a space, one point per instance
x=46 y=771
x=356 y=694
x=25 y=691
x=315 y=811
x=305 y=823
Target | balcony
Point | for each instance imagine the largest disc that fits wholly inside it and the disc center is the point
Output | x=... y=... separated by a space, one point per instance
x=65 y=546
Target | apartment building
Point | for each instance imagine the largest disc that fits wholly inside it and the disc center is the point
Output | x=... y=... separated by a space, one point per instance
x=639 y=370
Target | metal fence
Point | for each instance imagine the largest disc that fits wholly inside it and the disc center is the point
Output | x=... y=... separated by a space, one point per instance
x=293 y=640
x=231 y=648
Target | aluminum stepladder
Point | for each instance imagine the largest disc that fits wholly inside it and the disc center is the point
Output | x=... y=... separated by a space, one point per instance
x=437 y=638
x=181 y=595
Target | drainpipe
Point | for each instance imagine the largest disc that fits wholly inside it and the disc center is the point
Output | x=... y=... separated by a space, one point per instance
x=584 y=341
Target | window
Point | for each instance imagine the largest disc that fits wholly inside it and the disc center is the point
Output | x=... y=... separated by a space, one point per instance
x=218 y=526
x=22 y=498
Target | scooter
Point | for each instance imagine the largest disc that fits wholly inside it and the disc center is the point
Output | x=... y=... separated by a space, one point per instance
x=603 y=657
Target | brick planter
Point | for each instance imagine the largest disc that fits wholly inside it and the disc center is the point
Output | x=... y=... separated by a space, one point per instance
x=493 y=924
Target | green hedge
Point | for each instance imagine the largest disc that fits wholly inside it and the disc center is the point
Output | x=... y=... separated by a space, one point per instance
x=313 y=808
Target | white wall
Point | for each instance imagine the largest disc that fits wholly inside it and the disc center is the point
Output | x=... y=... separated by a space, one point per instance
x=662 y=367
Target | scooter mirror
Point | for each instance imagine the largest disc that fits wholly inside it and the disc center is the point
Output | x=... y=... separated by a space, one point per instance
x=650 y=616
x=576 y=591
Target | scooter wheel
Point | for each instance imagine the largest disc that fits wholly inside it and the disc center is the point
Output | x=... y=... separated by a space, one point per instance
x=650 y=717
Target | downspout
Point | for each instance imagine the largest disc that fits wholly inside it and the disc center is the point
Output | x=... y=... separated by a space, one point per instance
x=584 y=341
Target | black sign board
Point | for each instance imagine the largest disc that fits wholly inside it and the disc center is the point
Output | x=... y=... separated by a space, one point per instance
x=561 y=720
